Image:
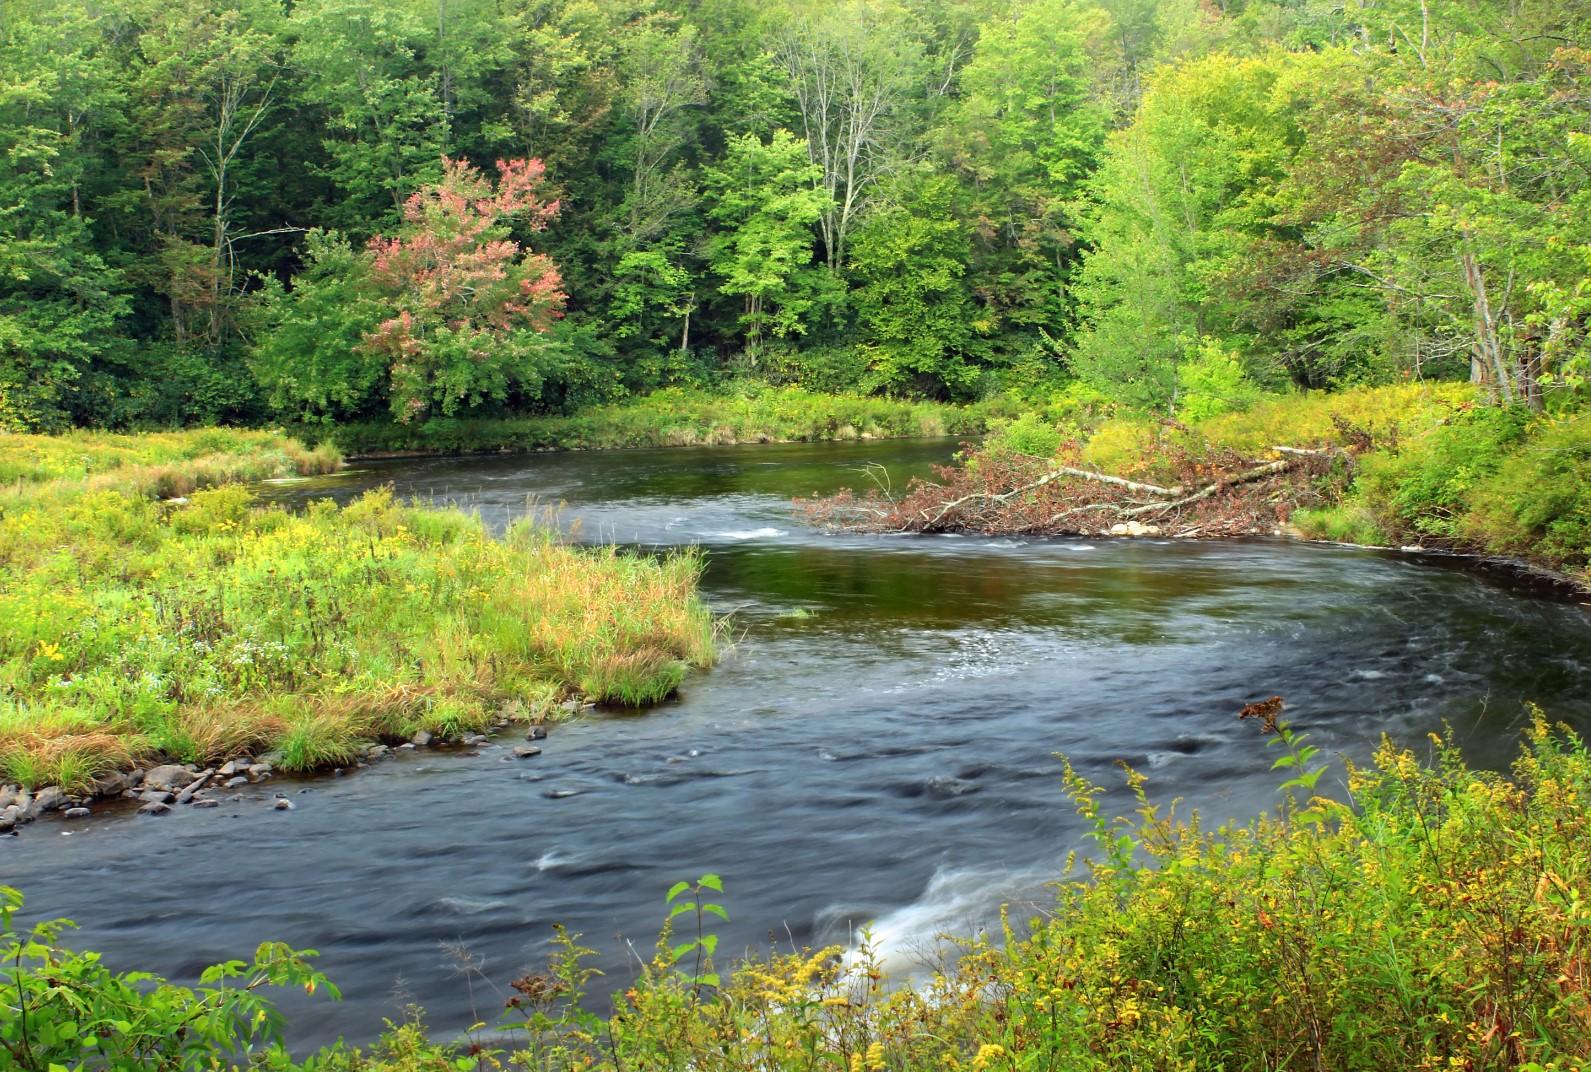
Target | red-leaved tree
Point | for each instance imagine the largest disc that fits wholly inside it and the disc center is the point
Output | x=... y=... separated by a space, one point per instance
x=470 y=305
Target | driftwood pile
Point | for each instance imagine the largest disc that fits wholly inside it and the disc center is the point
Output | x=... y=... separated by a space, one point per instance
x=1218 y=495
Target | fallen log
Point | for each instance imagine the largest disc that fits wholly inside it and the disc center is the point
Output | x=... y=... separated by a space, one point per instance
x=1006 y=495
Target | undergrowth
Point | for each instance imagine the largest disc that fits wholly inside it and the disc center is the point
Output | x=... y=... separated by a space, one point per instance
x=1432 y=464
x=676 y=417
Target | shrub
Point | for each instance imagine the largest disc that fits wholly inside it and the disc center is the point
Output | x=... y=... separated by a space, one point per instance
x=1028 y=434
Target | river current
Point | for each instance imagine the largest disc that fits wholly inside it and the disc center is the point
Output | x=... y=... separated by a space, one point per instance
x=878 y=748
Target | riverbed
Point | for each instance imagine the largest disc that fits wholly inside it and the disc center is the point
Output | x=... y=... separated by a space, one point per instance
x=878 y=749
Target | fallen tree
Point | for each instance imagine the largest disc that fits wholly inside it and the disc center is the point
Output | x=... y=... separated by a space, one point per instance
x=1221 y=493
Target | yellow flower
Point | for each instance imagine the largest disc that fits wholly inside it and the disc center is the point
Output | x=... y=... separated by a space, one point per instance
x=50 y=651
x=986 y=1053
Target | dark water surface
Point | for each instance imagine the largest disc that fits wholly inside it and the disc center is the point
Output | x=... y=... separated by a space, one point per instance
x=877 y=748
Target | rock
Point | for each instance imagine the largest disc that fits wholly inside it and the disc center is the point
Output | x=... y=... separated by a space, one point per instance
x=235 y=781
x=172 y=776
x=10 y=816
x=155 y=796
x=407 y=746
x=230 y=767
x=110 y=785
x=193 y=787
x=282 y=804
x=536 y=733
x=8 y=796
x=76 y=813
x=376 y=751
x=48 y=799
x=1134 y=528
x=206 y=802
x=270 y=759
x=570 y=707
x=131 y=794
x=154 y=807
x=135 y=778
x=421 y=739
x=525 y=751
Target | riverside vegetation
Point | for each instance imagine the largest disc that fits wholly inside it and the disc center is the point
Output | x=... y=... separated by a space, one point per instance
x=1436 y=919
x=1425 y=464
x=152 y=608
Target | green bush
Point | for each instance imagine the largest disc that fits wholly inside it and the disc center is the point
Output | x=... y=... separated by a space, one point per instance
x=1425 y=485
x=1028 y=434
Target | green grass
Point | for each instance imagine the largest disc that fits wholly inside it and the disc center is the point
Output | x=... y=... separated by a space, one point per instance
x=132 y=627
x=679 y=418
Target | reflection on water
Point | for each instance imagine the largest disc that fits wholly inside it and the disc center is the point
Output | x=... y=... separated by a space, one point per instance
x=879 y=746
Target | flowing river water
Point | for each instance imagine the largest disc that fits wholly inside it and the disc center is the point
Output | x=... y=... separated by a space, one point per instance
x=878 y=748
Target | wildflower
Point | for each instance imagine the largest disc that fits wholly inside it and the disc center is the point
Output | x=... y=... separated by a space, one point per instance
x=50 y=651
x=987 y=1052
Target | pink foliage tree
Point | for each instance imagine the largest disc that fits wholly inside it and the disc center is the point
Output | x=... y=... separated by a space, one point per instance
x=470 y=305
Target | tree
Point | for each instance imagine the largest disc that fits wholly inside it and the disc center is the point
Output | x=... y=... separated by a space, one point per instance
x=1024 y=136
x=1176 y=203
x=310 y=356
x=360 y=63
x=200 y=85
x=470 y=302
x=60 y=303
x=852 y=68
x=663 y=80
x=917 y=317
x=765 y=201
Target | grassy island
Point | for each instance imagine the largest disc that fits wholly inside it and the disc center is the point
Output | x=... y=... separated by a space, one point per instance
x=151 y=608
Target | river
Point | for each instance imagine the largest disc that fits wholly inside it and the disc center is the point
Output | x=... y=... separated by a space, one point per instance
x=878 y=748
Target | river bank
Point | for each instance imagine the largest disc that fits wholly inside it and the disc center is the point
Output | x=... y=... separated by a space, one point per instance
x=156 y=616
x=1421 y=466
x=754 y=413
x=1436 y=922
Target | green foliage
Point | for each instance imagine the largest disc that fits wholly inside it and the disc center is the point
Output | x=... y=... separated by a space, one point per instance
x=1212 y=382
x=912 y=302
x=310 y=360
x=766 y=204
x=67 y=1009
x=1490 y=480
x=1028 y=434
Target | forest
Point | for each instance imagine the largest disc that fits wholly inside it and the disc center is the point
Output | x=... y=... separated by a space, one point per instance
x=324 y=211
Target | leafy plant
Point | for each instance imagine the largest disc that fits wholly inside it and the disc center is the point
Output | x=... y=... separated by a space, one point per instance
x=60 y=1008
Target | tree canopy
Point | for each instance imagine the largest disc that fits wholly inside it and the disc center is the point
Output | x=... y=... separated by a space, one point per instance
x=253 y=209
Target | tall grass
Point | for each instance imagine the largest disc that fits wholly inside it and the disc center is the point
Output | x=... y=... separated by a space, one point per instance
x=193 y=629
